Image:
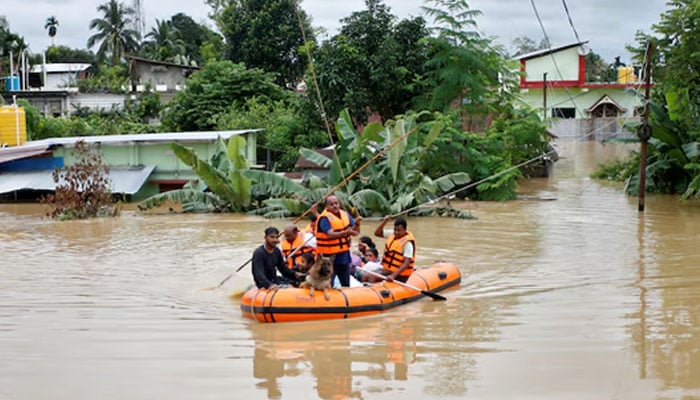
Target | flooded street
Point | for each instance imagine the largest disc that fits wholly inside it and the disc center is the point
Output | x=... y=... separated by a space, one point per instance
x=567 y=293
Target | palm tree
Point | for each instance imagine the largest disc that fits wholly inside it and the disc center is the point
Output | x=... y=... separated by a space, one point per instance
x=52 y=25
x=113 y=32
x=164 y=43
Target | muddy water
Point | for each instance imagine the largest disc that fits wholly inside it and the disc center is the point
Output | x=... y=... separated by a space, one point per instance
x=568 y=293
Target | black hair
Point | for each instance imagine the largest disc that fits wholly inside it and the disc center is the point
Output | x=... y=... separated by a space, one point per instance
x=368 y=241
x=401 y=222
x=309 y=258
x=271 y=230
x=374 y=251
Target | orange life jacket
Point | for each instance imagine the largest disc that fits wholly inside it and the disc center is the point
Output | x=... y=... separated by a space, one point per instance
x=288 y=248
x=326 y=245
x=393 y=254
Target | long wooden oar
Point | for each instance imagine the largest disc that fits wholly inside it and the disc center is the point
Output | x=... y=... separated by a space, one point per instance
x=251 y=259
x=428 y=293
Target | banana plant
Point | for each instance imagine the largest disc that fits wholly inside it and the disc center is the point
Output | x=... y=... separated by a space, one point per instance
x=223 y=175
x=673 y=163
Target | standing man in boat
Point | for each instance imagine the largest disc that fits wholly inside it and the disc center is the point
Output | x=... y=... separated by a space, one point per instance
x=334 y=229
x=266 y=259
x=296 y=242
x=399 y=251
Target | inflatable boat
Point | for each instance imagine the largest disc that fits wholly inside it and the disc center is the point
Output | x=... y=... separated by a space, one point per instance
x=294 y=304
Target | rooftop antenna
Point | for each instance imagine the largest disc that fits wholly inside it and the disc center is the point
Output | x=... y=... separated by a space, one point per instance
x=139 y=17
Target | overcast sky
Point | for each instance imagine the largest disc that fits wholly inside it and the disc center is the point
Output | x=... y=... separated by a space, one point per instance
x=607 y=24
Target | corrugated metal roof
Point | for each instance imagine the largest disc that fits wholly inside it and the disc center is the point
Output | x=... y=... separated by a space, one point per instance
x=60 y=67
x=183 y=137
x=18 y=153
x=126 y=180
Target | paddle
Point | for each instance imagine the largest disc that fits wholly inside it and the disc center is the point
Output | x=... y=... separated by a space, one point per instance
x=251 y=259
x=428 y=293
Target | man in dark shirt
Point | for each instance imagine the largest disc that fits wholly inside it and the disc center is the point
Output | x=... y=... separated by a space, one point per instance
x=266 y=259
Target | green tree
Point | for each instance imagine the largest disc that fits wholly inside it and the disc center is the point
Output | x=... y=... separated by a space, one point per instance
x=194 y=36
x=673 y=160
x=65 y=54
x=211 y=91
x=464 y=66
x=373 y=64
x=113 y=32
x=52 y=26
x=163 y=42
x=597 y=70
x=265 y=34
x=286 y=129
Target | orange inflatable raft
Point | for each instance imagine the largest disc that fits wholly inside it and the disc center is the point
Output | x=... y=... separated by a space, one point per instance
x=293 y=304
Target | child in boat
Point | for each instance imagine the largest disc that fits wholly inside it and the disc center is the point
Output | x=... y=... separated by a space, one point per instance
x=305 y=262
x=372 y=265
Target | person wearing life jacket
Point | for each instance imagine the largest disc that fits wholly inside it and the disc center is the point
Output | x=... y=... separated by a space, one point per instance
x=294 y=242
x=334 y=229
x=399 y=250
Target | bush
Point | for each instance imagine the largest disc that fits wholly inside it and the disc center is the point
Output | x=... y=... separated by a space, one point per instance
x=82 y=189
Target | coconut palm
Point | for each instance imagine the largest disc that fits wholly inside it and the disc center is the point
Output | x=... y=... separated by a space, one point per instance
x=52 y=26
x=113 y=32
x=164 y=43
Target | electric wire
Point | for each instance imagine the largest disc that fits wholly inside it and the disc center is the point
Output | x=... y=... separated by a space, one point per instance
x=571 y=22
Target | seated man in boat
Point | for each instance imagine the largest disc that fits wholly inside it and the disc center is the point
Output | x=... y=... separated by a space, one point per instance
x=399 y=251
x=266 y=259
x=295 y=244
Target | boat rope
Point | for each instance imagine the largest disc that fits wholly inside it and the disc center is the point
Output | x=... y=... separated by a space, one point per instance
x=479 y=182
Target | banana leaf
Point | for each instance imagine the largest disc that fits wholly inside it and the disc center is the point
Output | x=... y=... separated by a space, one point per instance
x=215 y=181
x=272 y=183
x=369 y=200
x=447 y=182
x=192 y=200
x=240 y=184
x=315 y=157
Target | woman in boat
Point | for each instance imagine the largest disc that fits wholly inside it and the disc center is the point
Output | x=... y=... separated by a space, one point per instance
x=399 y=251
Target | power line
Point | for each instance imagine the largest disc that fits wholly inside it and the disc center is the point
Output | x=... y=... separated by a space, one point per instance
x=571 y=22
x=554 y=61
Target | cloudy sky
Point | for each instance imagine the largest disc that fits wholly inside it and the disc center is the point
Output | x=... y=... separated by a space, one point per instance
x=607 y=25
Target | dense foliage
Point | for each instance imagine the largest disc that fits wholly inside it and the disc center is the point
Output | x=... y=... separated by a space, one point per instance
x=265 y=34
x=389 y=185
x=373 y=65
x=213 y=89
x=673 y=163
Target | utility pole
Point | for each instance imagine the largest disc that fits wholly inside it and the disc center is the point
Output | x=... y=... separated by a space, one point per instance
x=544 y=95
x=644 y=131
x=139 y=18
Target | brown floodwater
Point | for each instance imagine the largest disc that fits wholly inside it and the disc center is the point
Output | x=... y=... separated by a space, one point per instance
x=567 y=293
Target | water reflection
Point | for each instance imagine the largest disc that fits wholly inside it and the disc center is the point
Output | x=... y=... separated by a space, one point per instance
x=568 y=293
x=333 y=353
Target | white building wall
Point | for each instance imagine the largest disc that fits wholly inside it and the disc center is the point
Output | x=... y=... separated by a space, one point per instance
x=559 y=66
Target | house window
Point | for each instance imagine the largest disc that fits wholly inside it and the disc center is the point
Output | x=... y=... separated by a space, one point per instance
x=564 y=112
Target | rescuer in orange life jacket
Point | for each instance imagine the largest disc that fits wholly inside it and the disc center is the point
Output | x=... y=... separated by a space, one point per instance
x=399 y=251
x=334 y=229
x=295 y=242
